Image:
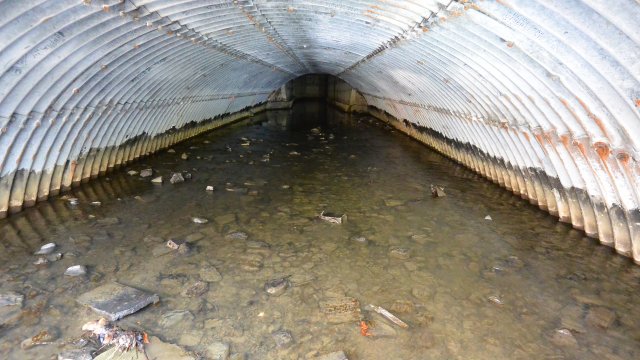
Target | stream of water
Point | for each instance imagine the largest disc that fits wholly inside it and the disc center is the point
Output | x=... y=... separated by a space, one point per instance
x=518 y=286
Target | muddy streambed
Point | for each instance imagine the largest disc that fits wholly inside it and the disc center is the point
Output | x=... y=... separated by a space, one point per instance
x=518 y=286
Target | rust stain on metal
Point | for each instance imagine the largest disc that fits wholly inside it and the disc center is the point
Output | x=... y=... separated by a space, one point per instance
x=623 y=157
x=593 y=117
x=603 y=150
x=638 y=103
x=565 y=140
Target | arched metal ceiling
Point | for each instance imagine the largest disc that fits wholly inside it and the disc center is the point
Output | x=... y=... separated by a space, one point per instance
x=545 y=93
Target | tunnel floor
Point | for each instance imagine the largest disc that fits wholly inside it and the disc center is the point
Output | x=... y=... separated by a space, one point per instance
x=519 y=285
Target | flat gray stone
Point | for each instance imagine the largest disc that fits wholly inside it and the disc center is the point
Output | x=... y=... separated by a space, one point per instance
x=10 y=307
x=338 y=355
x=116 y=301
x=218 y=351
x=77 y=354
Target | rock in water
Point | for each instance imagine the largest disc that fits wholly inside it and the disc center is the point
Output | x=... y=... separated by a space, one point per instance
x=276 y=287
x=146 y=172
x=209 y=188
x=157 y=180
x=10 y=307
x=46 y=249
x=437 y=191
x=116 y=301
x=77 y=354
x=195 y=289
x=218 y=351
x=209 y=273
x=282 y=338
x=399 y=253
x=184 y=156
x=332 y=218
x=176 y=178
x=340 y=310
x=564 y=338
x=76 y=270
x=338 y=355
x=199 y=220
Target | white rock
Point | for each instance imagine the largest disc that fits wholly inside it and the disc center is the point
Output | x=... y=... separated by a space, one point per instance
x=199 y=220
x=76 y=270
x=132 y=172
x=157 y=180
x=146 y=172
x=46 y=249
x=73 y=201
x=209 y=188
x=218 y=351
x=488 y=217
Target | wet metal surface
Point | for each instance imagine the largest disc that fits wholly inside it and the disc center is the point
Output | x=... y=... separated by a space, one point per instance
x=518 y=286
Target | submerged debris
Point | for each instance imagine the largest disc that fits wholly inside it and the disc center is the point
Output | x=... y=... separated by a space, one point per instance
x=437 y=191
x=199 y=220
x=112 y=335
x=333 y=218
x=384 y=312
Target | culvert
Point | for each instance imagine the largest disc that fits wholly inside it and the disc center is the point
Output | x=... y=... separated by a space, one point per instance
x=540 y=97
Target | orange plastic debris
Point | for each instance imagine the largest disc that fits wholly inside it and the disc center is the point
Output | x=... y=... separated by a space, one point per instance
x=145 y=338
x=364 y=328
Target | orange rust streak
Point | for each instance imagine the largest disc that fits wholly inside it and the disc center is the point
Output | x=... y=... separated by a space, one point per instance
x=638 y=102
x=593 y=117
x=565 y=140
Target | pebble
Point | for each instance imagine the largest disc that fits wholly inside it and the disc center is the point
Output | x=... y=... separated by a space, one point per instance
x=172 y=318
x=199 y=220
x=176 y=178
x=340 y=310
x=10 y=307
x=171 y=151
x=496 y=300
x=236 y=235
x=146 y=172
x=174 y=244
x=564 y=338
x=209 y=273
x=73 y=201
x=184 y=156
x=399 y=253
x=44 y=337
x=337 y=355
x=209 y=188
x=46 y=249
x=402 y=306
x=76 y=270
x=41 y=261
x=195 y=289
x=76 y=354
x=601 y=317
x=488 y=217
x=157 y=180
x=217 y=351
x=184 y=249
x=277 y=287
x=282 y=338
x=359 y=239
x=132 y=172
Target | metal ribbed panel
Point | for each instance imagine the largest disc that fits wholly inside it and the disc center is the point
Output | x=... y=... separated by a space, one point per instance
x=541 y=96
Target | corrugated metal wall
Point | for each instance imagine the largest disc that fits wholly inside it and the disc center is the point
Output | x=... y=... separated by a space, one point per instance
x=542 y=96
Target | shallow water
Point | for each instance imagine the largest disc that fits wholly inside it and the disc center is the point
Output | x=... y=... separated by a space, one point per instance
x=470 y=288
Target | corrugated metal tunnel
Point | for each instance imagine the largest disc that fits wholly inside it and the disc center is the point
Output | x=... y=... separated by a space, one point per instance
x=542 y=97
